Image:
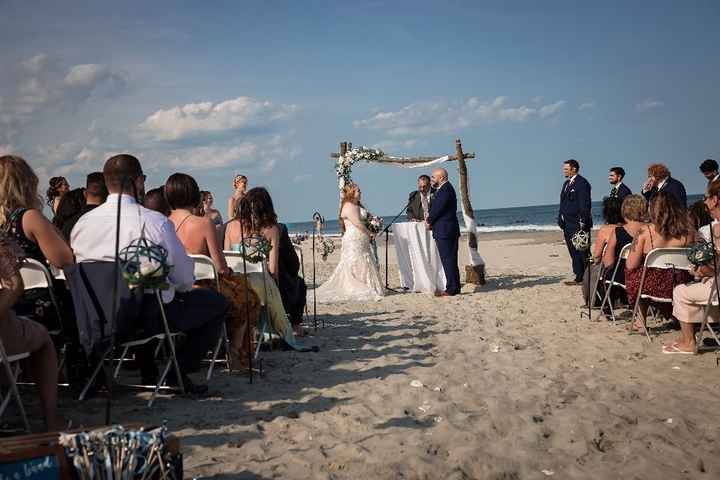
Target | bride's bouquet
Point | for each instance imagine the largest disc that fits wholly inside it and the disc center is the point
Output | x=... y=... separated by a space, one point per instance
x=374 y=223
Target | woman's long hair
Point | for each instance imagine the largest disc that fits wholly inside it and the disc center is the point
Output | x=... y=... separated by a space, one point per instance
x=18 y=186
x=256 y=211
x=669 y=217
x=347 y=194
x=54 y=189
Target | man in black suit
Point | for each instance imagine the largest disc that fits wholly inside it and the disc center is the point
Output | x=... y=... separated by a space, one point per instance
x=709 y=169
x=617 y=188
x=443 y=222
x=659 y=179
x=575 y=214
x=419 y=201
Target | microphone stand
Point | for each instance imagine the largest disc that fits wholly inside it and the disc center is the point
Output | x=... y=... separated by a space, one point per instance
x=317 y=219
x=386 y=231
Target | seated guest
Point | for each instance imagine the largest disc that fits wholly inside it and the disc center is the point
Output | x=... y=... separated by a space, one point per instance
x=689 y=299
x=239 y=186
x=155 y=200
x=20 y=335
x=59 y=186
x=21 y=217
x=198 y=236
x=198 y=312
x=669 y=227
x=613 y=219
x=700 y=219
x=208 y=211
x=257 y=219
x=70 y=205
x=95 y=194
x=633 y=213
x=659 y=179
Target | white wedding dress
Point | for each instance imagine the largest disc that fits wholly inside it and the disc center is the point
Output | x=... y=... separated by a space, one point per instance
x=357 y=277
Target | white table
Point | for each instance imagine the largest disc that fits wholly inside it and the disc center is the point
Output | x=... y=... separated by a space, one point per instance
x=418 y=258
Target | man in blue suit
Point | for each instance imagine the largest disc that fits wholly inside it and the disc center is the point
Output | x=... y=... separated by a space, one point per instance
x=659 y=179
x=442 y=220
x=617 y=187
x=575 y=214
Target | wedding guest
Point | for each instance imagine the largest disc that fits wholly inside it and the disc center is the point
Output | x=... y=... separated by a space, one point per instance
x=257 y=221
x=689 y=299
x=419 y=201
x=197 y=312
x=70 y=205
x=208 y=211
x=699 y=216
x=20 y=334
x=239 y=186
x=198 y=236
x=669 y=227
x=95 y=193
x=659 y=179
x=634 y=208
x=155 y=200
x=617 y=187
x=575 y=214
x=709 y=168
x=613 y=219
x=59 y=186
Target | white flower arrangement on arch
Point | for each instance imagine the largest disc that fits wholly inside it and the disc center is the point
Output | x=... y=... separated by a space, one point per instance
x=343 y=166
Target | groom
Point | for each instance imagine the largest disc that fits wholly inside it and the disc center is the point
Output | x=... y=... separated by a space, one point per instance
x=442 y=220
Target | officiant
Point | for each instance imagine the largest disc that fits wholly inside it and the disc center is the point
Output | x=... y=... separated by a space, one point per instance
x=419 y=200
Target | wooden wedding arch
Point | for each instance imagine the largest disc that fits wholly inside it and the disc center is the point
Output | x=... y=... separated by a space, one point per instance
x=475 y=271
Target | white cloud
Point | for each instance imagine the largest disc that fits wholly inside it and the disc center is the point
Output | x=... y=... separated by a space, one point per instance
x=87 y=75
x=197 y=119
x=649 y=104
x=586 y=105
x=435 y=117
x=36 y=64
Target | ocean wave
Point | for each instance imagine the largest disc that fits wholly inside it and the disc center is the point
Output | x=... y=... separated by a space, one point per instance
x=515 y=228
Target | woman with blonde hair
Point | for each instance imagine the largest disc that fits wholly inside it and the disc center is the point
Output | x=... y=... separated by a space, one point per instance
x=356 y=277
x=239 y=187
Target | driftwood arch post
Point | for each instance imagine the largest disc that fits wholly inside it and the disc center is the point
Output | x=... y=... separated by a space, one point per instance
x=475 y=271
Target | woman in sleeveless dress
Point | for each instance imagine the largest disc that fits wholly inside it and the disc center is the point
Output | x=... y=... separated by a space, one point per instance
x=669 y=228
x=356 y=277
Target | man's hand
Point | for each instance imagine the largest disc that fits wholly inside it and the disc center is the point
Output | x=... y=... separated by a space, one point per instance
x=649 y=184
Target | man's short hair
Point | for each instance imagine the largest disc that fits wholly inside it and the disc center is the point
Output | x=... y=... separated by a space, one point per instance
x=708 y=166
x=658 y=170
x=424 y=177
x=618 y=171
x=121 y=170
x=95 y=185
x=573 y=163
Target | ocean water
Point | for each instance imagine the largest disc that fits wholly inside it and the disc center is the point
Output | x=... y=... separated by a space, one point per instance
x=523 y=219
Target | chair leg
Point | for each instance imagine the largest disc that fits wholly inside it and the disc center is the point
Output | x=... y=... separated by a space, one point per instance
x=161 y=382
x=120 y=361
x=216 y=352
x=93 y=376
x=171 y=342
x=13 y=392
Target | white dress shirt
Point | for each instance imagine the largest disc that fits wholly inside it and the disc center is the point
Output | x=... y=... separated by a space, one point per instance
x=93 y=238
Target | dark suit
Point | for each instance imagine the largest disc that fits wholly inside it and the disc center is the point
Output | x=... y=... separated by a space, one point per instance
x=620 y=192
x=415 y=210
x=575 y=209
x=671 y=186
x=446 y=232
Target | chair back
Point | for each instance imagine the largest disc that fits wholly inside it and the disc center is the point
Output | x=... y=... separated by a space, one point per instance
x=35 y=274
x=625 y=252
x=299 y=251
x=205 y=269
x=238 y=265
x=668 y=258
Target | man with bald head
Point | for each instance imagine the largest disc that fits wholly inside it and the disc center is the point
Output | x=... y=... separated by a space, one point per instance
x=442 y=220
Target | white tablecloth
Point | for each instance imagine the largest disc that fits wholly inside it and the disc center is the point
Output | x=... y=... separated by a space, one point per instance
x=418 y=258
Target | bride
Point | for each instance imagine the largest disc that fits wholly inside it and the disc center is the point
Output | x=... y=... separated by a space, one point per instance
x=356 y=277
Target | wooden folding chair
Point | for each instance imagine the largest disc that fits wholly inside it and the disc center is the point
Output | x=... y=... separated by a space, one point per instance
x=673 y=259
x=11 y=368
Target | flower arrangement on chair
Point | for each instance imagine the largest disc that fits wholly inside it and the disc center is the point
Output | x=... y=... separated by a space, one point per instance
x=144 y=264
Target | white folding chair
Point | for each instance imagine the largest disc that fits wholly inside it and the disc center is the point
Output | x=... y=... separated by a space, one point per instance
x=661 y=258
x=712 y=302
x=609 y=284
x=35 y=275
x=11 y=367
x=205 y=270
x=299 y=251
x=593 y=293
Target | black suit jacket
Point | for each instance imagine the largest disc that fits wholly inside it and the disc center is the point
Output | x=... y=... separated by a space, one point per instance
x=415 y=210
x=673 y=187
x=443 y=213
x=621 y=192
x=575 y=204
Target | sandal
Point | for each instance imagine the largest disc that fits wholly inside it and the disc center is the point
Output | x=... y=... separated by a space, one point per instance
x=674 y=349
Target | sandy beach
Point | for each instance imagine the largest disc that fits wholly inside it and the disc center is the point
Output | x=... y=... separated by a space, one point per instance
x=507 y=382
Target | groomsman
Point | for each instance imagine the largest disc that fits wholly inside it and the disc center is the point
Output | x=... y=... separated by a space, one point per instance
x=659 y=179
x=617 y=187
x=419 y=201
x=709 y=169
x=575 y=214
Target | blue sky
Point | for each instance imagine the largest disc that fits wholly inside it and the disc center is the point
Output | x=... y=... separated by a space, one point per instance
x=270 y=88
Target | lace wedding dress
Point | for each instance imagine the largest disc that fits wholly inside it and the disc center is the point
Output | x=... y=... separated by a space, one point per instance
x=356 y=277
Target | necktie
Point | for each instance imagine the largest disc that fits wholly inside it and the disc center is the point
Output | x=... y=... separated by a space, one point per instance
x=424 y=202
x=614 y=192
